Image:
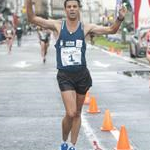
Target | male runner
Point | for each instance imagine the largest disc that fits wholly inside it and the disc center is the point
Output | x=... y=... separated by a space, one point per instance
x=73 y=76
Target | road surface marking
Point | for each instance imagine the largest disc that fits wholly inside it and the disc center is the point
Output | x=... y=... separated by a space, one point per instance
x=115 y=133
x=90 y=133
x=22 y=64
x=99 y=64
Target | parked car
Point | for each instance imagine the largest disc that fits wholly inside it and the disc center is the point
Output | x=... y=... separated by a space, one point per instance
x=138 y=44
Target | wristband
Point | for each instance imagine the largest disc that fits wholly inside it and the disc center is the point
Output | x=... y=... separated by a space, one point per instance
x=120 y=19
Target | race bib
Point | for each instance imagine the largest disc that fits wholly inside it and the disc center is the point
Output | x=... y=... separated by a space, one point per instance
x=70 y=56
x=8 y=31
x=79 y=43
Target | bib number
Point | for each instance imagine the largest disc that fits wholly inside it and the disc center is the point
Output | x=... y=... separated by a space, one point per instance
x=70 y=56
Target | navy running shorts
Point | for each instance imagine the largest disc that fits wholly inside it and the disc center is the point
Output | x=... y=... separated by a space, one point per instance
x=79 y=81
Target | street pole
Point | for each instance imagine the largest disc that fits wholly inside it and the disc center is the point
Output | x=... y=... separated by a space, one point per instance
x=49 y=8
x=90 y=15
x=16 y=6
x=52 y=8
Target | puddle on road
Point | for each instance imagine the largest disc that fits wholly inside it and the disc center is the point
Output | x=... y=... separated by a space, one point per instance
x=138 y=73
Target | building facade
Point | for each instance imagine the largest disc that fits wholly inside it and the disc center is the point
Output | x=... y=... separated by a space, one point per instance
x=57 y=8
x=91 y=11
x=41 y=8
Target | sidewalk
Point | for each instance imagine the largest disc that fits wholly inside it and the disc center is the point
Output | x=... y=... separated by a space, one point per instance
x=117 y=37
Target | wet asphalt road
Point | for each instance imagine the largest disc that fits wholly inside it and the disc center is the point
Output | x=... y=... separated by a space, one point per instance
x=31 y=108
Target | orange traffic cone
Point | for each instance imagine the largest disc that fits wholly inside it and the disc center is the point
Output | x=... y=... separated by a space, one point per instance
x=107 y=122
x=123 y=142
x=93 y=106
x=87 y=98
x=119 y=52
x=111 y=49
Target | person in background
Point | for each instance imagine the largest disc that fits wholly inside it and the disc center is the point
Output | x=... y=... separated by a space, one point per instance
x=19 y=35
x=19 y=32
x=148 y=46
x=29 y=29
x=73 y=76
x=2 y=36
x=9 y=33
x=148 y=49
x=44 y=37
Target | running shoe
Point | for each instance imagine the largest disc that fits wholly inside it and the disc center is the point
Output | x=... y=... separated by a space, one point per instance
x=71 y=148
x=64 y=146
x=44 y=60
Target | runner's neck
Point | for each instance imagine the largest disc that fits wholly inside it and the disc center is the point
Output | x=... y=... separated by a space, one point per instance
x=72 y=26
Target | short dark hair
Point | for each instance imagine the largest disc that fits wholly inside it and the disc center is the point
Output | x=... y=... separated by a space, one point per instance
x=65 y=2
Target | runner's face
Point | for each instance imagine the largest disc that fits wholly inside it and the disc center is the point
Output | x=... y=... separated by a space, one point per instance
x=72 y=10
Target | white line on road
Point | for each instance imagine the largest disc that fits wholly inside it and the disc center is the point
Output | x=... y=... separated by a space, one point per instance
x=99 y=64
x=21 y=64
x=3 y=53
x=90 y=133
x=115 y=133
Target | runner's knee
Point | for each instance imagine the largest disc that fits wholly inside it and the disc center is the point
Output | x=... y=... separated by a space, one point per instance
x=73 y=114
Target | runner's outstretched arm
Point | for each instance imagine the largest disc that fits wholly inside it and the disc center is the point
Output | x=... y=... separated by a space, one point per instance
x=99 y=30
x=47 y=24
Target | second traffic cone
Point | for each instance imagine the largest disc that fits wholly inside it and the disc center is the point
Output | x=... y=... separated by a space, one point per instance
x=111 y=49
x=123 y=142
x=93 y=106
x=87 y=98
x=119 y=52
x=107 y=122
